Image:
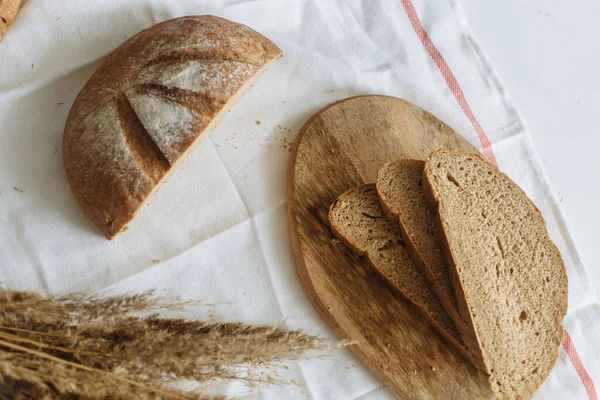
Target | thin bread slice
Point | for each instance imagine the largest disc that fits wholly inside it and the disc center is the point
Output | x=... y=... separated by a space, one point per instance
x=400 y=192
x=509 y=278
x=357 y=220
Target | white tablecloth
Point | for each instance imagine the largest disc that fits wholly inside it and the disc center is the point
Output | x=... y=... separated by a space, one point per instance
x=217 y=230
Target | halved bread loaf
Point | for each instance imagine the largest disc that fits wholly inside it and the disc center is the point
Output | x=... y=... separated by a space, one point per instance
x=356 y=218
x=509 y=278
x=400 y=192
x=148 y=104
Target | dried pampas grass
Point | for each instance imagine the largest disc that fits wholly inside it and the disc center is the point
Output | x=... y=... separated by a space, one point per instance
x=78 y=346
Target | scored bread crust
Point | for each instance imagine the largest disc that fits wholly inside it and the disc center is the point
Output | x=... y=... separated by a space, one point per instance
x=470 y=335
x=8 y=13
x=148 y=104
x=453 y=340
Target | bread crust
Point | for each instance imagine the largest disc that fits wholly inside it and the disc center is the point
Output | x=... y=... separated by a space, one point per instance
x=148 y=104
x=8 y=12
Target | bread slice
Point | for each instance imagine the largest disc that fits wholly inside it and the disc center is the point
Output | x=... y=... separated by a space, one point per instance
x=509 y=278
x=400 y=192
x=356 y=219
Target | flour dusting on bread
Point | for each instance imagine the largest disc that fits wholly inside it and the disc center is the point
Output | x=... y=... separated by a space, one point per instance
x=170 y=125
x=218 y=79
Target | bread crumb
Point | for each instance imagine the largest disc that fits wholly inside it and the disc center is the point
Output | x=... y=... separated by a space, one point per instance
x=31 y=65
x=331 y=91
x=257 y=122
x=55 y=150
x=156 y=261
x=57 y=19
x=60 y=104
x=18 y=190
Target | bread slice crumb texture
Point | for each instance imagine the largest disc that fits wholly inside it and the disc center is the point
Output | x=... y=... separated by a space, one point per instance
x=400 y=190
x=357 y=219
x=509 y=277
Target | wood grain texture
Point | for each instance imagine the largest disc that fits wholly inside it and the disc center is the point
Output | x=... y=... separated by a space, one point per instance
x=340 y=147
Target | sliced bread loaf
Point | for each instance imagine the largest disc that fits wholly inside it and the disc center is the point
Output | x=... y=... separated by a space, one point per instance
x=356 y=219
x=509 y=278
x=400 y=192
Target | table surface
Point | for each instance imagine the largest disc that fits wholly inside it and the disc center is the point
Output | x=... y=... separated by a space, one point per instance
x=544 y=52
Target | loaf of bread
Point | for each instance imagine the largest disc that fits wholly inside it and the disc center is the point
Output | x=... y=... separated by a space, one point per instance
x=356 y=219
x=8 y=12
x=509 y=278
x=148 y=104
x=400 y=190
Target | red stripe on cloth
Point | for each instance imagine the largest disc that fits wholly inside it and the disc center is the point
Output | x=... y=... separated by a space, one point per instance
x=588 y=384
x=449 y=77
x=487 y=151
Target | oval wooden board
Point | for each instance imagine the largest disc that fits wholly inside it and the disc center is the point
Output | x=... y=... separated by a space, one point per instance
x=340 y=147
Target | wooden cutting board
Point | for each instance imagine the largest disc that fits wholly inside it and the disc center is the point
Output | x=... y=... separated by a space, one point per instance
x=340 y=147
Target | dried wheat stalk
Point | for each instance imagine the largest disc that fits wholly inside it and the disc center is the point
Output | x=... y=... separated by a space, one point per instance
x=79 y=346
